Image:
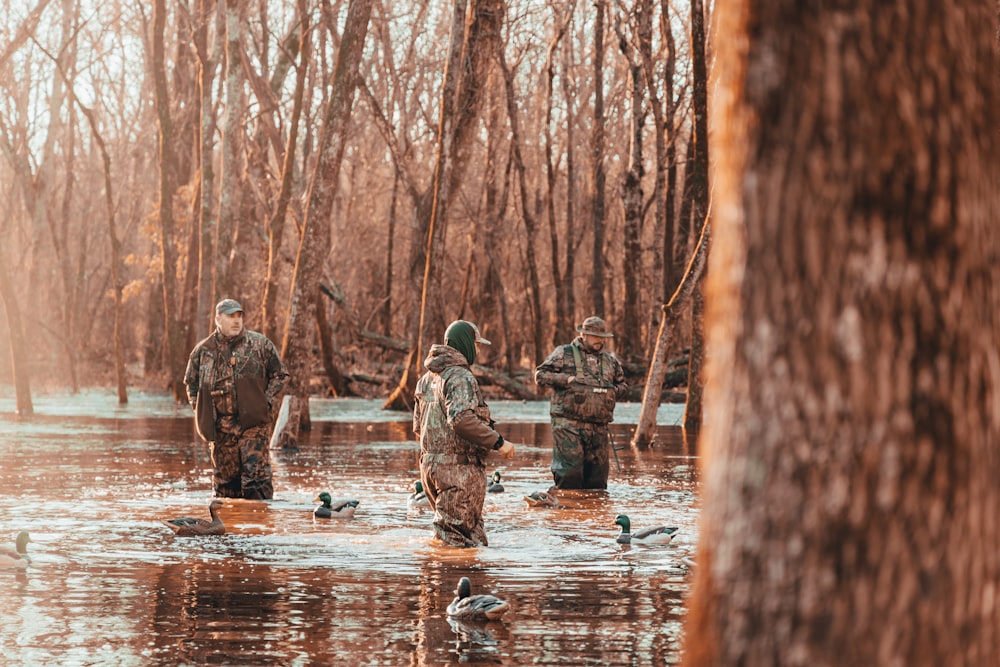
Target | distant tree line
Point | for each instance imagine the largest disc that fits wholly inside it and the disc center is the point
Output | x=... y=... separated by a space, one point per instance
x=522 y=164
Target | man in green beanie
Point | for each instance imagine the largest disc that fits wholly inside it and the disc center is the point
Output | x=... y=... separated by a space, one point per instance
x=587 y=380
x=452 y=422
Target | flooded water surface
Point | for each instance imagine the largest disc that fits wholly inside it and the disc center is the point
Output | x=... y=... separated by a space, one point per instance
x=109 y=583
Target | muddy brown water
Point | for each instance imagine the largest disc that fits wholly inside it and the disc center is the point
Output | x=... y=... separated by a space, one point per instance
x=109 y=584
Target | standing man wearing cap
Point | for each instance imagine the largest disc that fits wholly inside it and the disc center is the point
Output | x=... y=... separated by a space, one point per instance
x=587 y=381
x=452 y=422
x=233 y=380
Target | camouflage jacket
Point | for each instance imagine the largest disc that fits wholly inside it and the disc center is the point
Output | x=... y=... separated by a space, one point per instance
x=598 y=381
x=450 y=416
x=246 y=368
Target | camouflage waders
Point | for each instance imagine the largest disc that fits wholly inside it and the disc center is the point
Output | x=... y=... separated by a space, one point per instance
x=580 y=454
x=242 y=463
x=456 y=491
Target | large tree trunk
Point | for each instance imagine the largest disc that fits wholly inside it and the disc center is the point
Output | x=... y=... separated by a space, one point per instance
x=173 y=354
x=315 y=243
x=850 y=495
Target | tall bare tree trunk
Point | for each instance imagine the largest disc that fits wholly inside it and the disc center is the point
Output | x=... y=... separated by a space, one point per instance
x=17 y=344
x=174 y=335
x=315 y=243
x=597 y=140
x=850 y=496
x=699 y=202
x=539 y=347
x=232 y=144
x=207 y=229
x=276 y=225
x=628 y=347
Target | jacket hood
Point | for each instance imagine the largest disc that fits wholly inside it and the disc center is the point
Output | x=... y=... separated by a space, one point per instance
x=441 y=357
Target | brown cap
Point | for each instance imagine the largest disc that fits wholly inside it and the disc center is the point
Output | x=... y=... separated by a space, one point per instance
x=595 y=326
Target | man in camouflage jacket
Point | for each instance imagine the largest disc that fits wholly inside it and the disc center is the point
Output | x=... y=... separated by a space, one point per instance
x=587 y=381
x=233 y=380
x=456 y=433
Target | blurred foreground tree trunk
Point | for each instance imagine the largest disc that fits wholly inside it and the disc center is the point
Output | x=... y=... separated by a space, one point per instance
x=853 y=314
x=300 y=333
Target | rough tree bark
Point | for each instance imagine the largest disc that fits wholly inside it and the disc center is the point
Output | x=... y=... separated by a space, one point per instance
x=232 y=143
x=699 y=203
x=597 y=150
x=850 y=493
x=173 y=355
x=315 y=243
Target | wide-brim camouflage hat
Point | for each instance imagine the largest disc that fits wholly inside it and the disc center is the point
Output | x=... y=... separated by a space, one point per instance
x=228 y=306
x=595 y=326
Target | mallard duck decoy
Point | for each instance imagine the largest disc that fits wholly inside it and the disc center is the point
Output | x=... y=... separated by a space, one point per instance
x=190 y=526
x=418 y=498
x=657 y=535
x=541 y=499
x=469 y=607
x=493 y=484
x=342 y=509
x=18 y=556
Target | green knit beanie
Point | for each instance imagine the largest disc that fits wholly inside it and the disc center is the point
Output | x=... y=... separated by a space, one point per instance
x=462 y=336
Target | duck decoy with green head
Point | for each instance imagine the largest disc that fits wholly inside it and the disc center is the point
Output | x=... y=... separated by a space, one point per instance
x=18 y=556
x=493 y=485
x=191 y=526
x=657 y=535
x=418 y=498
x=541 y=499
x=342 y=509
x=469 y=607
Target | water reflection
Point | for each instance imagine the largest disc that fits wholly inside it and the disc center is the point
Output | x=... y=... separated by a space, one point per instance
x=109 y=584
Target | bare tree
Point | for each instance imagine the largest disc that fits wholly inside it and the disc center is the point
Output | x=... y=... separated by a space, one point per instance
x=315 y=244
x=850 y=487
x=174 y=336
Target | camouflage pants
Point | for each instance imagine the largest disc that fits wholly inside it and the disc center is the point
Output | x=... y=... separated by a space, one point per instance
x=242 y=461
x=580 y=452
x=457 y=492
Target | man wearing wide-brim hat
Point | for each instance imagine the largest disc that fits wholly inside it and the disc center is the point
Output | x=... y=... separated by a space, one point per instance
x=587 y=381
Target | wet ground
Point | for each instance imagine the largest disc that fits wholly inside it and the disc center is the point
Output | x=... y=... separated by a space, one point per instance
x=109 y=584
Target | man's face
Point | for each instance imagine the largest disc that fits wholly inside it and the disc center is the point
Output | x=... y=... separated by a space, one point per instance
x=230 y=325
x=595 y=343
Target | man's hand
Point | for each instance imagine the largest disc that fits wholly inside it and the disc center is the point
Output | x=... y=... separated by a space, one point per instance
x=507 y=449
x=570 y=380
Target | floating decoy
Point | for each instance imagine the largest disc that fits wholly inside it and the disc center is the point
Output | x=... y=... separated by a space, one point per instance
x=469 y=607
x=493 y=484
x=18 y=556
x=418 y=498
x=190 y=526
x=342 y=509
x=657 y=535
x=541 y=499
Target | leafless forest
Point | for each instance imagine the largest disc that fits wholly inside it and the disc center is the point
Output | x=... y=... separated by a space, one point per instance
x=304 y=156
